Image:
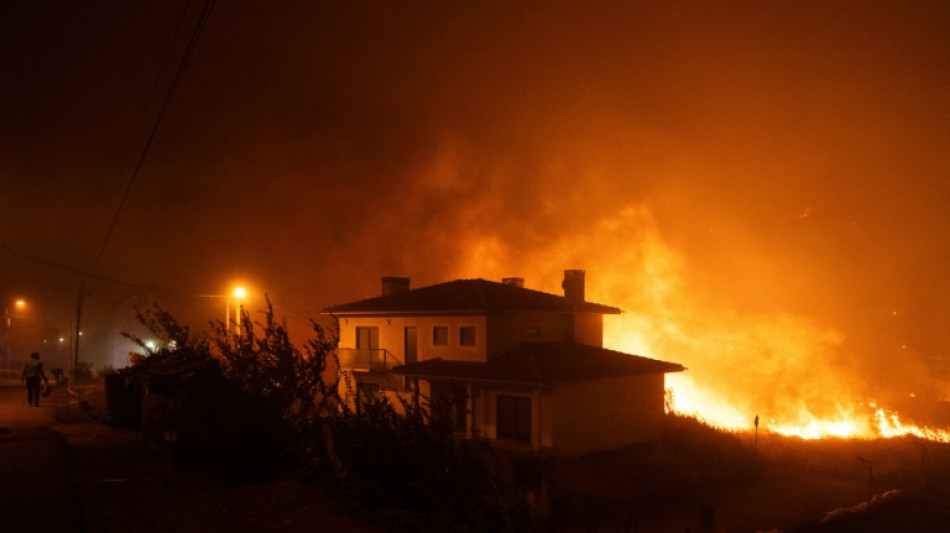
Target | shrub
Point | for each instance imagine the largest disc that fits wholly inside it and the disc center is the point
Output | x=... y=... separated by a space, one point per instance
x=251 y=403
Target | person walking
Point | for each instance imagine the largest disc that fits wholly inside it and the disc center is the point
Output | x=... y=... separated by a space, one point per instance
x=32 y=372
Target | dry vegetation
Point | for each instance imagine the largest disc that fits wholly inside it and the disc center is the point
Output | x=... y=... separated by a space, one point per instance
x=698 y=477
x=129 y=484
x=695 y=473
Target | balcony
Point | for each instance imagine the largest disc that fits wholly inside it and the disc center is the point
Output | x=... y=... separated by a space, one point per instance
x=375 y=360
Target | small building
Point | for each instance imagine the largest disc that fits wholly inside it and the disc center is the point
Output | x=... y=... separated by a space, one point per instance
x=523 y=368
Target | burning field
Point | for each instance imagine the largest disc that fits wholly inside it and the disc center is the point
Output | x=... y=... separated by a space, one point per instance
x=760 y=370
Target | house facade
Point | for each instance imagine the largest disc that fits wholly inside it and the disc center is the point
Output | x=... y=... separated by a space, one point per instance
x=520 y=367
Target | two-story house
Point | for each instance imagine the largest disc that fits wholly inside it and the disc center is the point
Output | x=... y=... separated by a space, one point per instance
x=519 y=366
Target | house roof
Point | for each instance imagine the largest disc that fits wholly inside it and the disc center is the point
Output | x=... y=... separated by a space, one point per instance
x=469 y=295
x=542 y=363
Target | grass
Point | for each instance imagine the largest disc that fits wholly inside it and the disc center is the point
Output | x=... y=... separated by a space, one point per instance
x=694 y=473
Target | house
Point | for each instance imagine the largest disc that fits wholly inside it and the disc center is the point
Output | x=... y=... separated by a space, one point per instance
x=520 y=367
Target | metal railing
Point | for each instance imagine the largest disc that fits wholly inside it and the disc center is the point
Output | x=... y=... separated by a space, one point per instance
x=371 y=360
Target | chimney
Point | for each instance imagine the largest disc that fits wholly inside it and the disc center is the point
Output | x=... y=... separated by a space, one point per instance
x=573 y=285
x=394 y=285
x=514 y=282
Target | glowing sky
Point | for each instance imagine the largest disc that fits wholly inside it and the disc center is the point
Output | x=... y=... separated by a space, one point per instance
x=793 y=157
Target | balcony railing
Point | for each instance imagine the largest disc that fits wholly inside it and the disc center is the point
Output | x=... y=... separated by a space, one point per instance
x=375 y=360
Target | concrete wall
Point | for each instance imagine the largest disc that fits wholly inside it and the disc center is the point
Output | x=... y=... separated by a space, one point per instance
x=607 y=413
x=511 y=329
x=495 y=334
x=392 y=335
x=589 y=329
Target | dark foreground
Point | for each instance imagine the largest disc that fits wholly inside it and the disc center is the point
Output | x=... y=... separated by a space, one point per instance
x=63 y=471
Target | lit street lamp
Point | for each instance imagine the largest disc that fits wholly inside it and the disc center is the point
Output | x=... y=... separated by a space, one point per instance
x=233 y=298
x=7 y=322
x=239 y=293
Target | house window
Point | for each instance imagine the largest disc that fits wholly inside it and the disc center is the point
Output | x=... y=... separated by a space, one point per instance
x=533 y=332
x=467 y=335
x=440 y=335
x=367 y=338
x=514 y=417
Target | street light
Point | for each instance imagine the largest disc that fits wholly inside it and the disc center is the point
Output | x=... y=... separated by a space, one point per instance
x=233 y=298
x=18 y=304
x=239 y=293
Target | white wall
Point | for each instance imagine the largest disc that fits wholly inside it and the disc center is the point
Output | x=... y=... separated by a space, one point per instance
x=608 y=413
x=392 y=335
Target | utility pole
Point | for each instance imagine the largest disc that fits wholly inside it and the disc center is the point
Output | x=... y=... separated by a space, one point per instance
x=82 y=294
x=756 y=434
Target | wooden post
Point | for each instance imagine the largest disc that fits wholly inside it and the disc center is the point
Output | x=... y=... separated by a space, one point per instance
x=756 y=434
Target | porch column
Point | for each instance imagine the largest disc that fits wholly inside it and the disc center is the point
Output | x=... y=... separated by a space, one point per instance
x=536 y=428
x=469 y=410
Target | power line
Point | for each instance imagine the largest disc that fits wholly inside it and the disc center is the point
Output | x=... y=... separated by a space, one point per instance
x=77 y=271
x=199 y=27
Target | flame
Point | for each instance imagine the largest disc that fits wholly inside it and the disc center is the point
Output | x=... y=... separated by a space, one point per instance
x=788 y=370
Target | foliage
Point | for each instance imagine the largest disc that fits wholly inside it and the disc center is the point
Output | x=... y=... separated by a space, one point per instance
x=251 y=403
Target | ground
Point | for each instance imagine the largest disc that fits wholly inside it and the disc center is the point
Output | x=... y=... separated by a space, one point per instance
x=129 y=486
x=695 y=478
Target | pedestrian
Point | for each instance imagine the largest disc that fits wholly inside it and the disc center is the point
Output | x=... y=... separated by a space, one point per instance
x=32 y=372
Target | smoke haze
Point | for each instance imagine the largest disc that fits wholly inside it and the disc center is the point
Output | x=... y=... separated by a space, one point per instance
x=763 y=188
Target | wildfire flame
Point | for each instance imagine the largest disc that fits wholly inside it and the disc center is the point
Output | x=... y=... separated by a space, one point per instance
x=785 y=368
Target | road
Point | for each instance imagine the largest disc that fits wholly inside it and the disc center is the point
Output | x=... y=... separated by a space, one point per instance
x=37 y=489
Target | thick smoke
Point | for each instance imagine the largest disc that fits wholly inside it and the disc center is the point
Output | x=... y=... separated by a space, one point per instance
x=765 y=178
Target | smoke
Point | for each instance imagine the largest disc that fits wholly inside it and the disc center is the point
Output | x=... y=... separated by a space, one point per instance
x=786 y=367
x=761 y=188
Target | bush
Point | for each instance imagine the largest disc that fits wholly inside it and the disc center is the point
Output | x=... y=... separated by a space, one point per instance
x=251 y=404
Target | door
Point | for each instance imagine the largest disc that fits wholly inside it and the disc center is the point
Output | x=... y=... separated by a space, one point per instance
x=367 y=347
x=367 y=338
x=411 y=344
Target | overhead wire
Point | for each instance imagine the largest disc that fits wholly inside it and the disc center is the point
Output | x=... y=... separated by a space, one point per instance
x=76 y=270
x=186 y=59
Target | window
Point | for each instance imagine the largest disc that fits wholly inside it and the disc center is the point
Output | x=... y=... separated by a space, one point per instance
x=533 y=332
x=440 y=335
x=514 y=417
x=467 y=335
x=367 y=338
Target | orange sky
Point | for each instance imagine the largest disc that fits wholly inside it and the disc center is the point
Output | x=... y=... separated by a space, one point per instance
x=791 y=159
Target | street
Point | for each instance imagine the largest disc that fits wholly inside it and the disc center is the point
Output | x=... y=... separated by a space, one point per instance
x=37 y=490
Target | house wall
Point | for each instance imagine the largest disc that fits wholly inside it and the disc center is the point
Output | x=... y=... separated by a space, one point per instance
x=589 y=329
x=608 y=413
x=392 y=335
x=511 y=329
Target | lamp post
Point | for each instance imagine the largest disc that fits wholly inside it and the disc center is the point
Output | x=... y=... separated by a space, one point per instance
x=239 y=293
x=234 y=298
x=7 y=322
